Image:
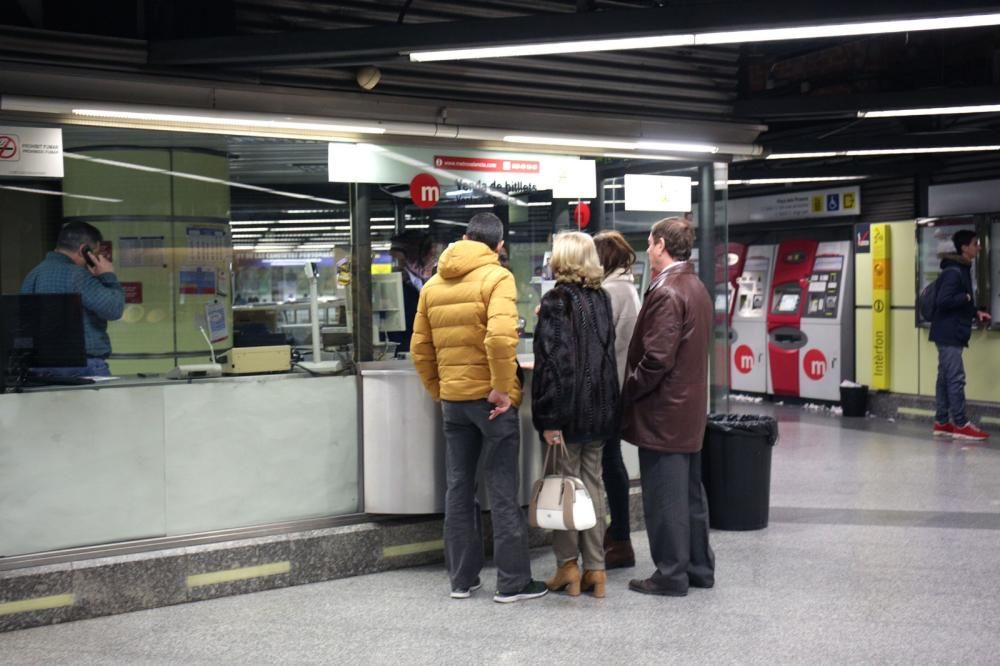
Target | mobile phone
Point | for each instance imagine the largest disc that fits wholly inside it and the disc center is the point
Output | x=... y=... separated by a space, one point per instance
x=88 y=256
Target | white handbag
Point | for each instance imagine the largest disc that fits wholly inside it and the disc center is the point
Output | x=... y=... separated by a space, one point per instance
x=560 y=502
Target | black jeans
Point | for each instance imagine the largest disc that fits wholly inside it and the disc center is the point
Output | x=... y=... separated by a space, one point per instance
x=616 y=485
x=468 y=434
x=676 y=511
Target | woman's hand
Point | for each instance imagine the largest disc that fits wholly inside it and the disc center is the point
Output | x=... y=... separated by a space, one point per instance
x=552 y=437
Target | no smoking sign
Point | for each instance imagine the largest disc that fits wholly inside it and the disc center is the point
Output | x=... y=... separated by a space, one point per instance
x=9 y=147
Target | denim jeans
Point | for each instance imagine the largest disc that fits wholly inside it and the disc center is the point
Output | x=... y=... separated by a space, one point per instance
x=96 y=367
x=949 y=395
x=469 y=434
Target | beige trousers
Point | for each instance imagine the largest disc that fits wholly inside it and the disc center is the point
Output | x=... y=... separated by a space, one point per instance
x=584 y=461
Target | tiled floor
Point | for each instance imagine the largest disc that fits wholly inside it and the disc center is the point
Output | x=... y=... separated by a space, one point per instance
x=884 y=547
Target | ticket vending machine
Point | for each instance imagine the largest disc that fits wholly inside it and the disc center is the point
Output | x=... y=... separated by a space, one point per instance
x=828 y=323
x=728 y=267
x=748 y=349
x=785 y=338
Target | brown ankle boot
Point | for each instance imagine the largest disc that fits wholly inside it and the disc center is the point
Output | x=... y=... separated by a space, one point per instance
x=567 y=577
x=618 y=554
x=595 y=579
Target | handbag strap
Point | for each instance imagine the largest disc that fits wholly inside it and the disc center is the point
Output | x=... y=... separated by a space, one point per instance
x=562 y=450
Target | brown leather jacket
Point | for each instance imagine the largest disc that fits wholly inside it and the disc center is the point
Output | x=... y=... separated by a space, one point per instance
x=665 y=396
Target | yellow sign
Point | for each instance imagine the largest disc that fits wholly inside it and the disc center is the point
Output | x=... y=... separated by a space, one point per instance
x=848 y=200
x=817 y=204
x=881 y=306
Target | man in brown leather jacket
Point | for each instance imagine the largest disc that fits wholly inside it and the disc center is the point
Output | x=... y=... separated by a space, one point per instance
x=664 y=400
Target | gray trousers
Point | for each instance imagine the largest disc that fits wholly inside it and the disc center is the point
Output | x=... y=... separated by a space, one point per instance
x=676 y=512
x=585 y=463
x=468 y=434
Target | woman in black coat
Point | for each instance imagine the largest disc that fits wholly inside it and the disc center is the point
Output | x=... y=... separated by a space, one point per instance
x=575 y=395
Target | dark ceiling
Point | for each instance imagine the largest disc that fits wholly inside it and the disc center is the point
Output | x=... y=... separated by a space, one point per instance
x=806 y=92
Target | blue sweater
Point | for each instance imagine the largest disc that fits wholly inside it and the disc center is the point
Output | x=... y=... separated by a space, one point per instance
x=103 y=297
x=955 y=309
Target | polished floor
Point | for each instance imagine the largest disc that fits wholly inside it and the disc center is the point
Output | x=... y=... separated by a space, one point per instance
x=883 y=548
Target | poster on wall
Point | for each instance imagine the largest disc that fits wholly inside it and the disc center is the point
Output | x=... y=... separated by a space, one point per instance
x=31 y=151
x=488 y=172
x=811 y=205
x=668 y=194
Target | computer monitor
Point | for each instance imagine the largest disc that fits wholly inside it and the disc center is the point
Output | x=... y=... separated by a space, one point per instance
x=39 y=331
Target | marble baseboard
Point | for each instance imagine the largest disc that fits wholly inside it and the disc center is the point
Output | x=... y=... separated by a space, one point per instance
x=84 y=589
x=921 y=408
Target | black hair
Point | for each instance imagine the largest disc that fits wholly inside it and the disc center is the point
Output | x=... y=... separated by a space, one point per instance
x=485 y=228
x=74 y=234
x=963 y=237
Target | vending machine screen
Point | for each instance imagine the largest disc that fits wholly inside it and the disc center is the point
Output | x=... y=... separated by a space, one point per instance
x=787 y=304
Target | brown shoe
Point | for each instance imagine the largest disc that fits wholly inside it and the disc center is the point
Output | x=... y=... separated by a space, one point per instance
x=596 y=580
x=618 y=554
x=567 y=577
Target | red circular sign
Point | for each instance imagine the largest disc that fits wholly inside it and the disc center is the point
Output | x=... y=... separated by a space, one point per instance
x=814 y=364
x=8 y=147
x=581 y=215
x=743 y=359
x=424 y=190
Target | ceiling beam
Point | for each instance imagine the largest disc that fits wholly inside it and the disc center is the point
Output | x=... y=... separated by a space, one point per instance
x=387 y=42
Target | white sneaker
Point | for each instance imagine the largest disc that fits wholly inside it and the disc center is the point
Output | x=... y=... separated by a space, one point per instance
x=465 y=593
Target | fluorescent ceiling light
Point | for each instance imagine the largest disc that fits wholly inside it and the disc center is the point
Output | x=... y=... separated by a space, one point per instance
x=450 y=223
x=417 y=226
x=847 y=29
x=382 y=219
x=287 y=230
x=313 y=211
x=567 y=141
x=314 y=220
x=53 y=193
x=616 y=186
x=783 y=181
x=875 y=152
x=240 y=120
x=645 y=156
x=457 y=193
x=677 y=146
x=722 y=37
x=538 y=203
x=239 y=223
x=390 y=227
x=935 y=111
x=478 y=206
x=550 y=48
x=252 y=229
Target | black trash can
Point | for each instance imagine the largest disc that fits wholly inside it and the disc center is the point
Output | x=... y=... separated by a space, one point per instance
x=736 y=470
x=854 y=400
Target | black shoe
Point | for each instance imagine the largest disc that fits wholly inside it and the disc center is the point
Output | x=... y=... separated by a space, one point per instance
x=704 y=583
x=533 y=590
x=466 y=592
x=647 y=586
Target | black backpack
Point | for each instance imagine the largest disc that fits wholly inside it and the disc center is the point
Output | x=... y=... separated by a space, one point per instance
x=927 y=300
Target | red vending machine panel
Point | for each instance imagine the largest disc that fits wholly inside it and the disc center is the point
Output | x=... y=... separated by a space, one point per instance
x=785 y=338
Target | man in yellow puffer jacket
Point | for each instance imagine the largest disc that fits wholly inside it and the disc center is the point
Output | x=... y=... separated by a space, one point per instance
x=464 y=347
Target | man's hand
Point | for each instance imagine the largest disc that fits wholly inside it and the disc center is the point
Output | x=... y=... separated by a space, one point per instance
x=101 y=265
x=983 y=316
x=552 y=437
x=500 y=401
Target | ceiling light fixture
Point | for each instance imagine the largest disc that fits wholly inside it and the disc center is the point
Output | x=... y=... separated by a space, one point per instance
x=707 y=38
x=783 y=181
x=933 y=111
x=253 y=121
x=876 y=152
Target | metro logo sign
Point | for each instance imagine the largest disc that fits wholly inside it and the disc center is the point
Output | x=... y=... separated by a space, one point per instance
x=425 y=190
x=814 y=364
x=493 y=164
x=743 y=359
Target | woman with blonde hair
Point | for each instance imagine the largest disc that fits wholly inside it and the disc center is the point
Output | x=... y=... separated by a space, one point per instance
x=575 y=396
x=617 y=258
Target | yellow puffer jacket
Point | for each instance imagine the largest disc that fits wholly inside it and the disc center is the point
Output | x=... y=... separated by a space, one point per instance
x=465 y=332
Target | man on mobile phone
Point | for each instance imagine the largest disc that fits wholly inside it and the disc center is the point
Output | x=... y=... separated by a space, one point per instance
x=77 y=267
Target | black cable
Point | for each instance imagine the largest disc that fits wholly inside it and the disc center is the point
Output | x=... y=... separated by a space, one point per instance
x=402 y=11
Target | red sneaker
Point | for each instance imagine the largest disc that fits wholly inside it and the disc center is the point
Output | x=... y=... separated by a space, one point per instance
x=969 y=431
x=943 y=429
